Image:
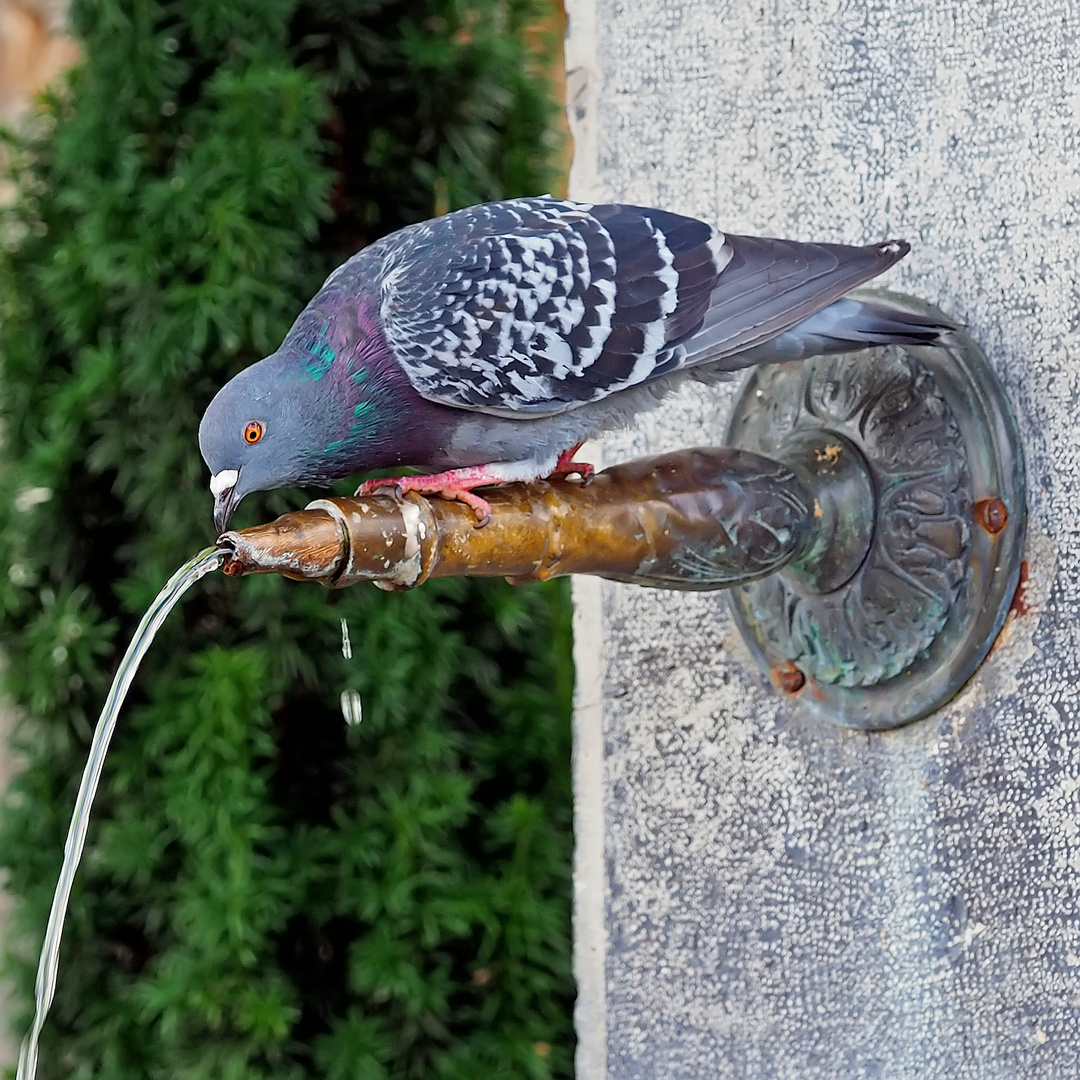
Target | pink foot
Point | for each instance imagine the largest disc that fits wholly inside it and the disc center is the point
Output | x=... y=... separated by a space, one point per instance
x=455 y=484
x=566 y=465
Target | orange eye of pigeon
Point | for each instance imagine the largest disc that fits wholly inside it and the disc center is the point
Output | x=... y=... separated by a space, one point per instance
x=253 y=432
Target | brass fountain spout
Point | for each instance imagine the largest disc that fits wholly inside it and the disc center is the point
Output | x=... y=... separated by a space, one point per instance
x=697 y=519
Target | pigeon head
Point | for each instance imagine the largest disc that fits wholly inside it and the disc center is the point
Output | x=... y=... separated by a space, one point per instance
x=260 y=432
x=311 y=414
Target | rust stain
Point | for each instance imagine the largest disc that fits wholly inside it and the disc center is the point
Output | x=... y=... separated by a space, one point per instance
x=788 y=677
x=1020 y=601
x=991 y=515
x=829 y=454
x=1017 y=610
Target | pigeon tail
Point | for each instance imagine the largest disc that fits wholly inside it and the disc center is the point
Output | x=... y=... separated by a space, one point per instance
x=845 y=325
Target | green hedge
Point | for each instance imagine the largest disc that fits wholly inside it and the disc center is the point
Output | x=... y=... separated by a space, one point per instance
x=266 y=891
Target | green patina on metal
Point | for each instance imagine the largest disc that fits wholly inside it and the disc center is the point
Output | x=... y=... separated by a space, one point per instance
x=899 y=594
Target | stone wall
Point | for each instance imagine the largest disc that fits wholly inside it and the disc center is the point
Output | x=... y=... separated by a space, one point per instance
x=758 y=894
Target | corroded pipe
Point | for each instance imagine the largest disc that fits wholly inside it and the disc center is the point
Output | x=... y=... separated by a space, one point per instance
x=696 y=519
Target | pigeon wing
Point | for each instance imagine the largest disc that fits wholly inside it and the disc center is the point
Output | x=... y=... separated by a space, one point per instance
x=531 y=307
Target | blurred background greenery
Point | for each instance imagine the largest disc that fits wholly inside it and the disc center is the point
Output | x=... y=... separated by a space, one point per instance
x=267 y=891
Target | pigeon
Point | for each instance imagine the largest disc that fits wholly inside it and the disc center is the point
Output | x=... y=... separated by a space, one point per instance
x=484 y=346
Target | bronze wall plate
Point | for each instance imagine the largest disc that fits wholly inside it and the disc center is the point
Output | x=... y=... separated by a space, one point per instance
x=889 y=622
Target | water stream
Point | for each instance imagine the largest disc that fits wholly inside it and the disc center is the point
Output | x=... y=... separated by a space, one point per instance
x=45 y=987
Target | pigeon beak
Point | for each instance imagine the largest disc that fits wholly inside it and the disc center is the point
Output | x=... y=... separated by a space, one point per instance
x=223 y=488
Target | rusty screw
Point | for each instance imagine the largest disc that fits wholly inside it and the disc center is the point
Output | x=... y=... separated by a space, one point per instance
x=788 y=677
x=991 y=515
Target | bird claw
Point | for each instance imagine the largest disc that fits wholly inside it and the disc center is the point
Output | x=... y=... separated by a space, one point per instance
x=480 y=507
x=567 y=466
x=368 y=487
x=424 y=486
x=584 y=471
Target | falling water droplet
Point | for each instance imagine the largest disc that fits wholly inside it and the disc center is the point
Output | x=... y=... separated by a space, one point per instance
x=351 y=707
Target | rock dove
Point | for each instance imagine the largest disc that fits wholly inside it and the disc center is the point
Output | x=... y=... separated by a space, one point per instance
x=485 y=345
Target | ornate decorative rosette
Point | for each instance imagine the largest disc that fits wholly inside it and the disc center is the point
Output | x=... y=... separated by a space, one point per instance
x=889 y=612
x=902 y=633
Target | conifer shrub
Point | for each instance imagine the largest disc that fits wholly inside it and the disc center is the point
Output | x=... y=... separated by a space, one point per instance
x=266 y=891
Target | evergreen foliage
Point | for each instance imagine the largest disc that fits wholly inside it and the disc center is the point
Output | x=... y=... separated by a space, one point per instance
x=266 y=891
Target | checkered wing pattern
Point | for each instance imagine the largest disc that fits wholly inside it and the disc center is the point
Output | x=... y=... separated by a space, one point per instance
x=534 y=306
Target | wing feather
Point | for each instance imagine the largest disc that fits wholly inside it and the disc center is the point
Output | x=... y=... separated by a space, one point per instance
x=771 y=285
x=531 y=307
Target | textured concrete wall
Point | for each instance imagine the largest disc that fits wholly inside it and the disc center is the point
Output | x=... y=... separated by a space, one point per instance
x=760 y=895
